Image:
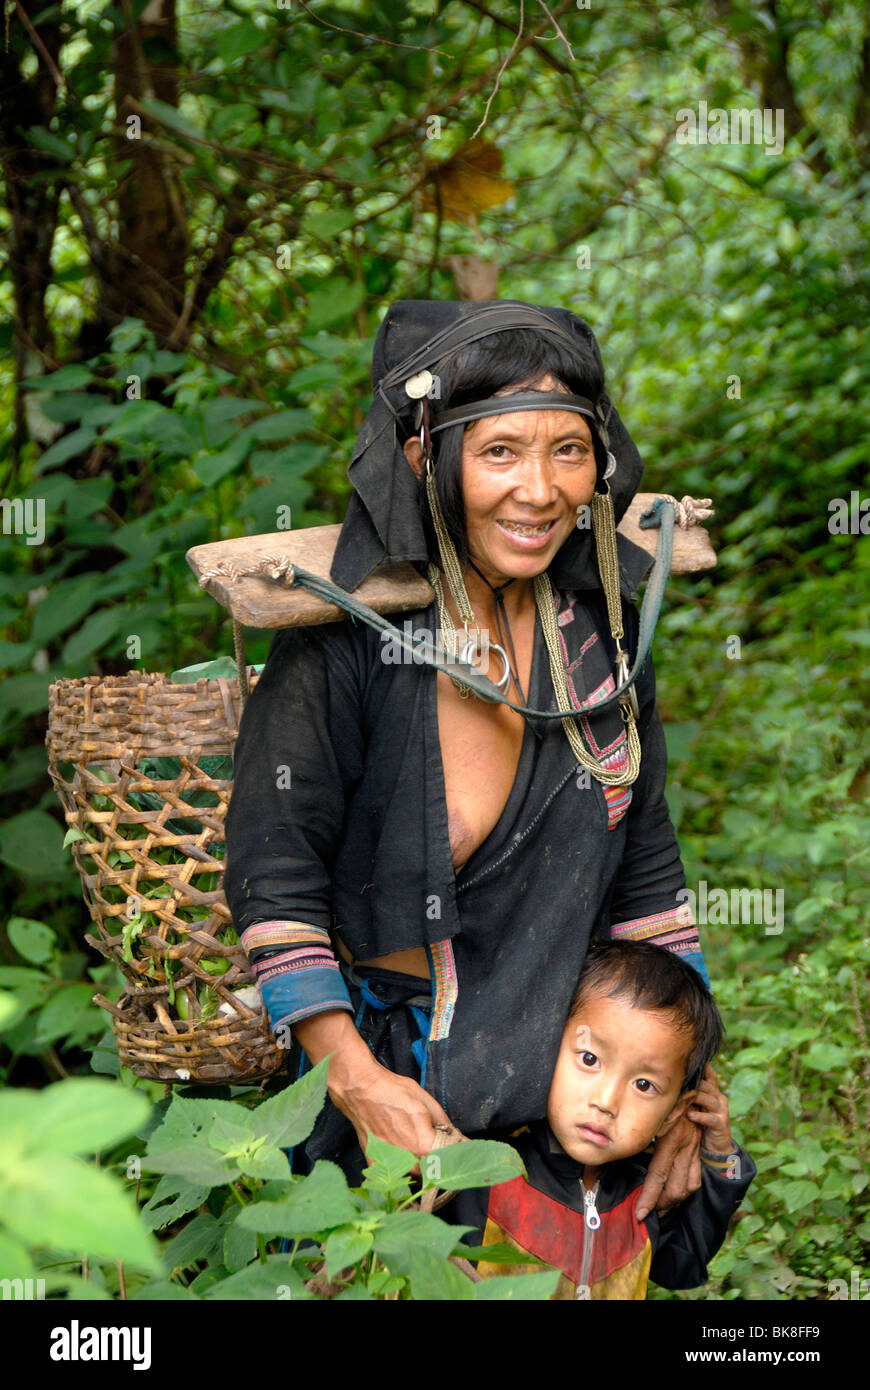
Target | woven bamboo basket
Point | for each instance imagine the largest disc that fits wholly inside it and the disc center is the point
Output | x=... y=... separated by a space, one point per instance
x=150 y=850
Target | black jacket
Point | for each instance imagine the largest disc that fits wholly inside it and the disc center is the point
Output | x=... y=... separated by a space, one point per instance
x=338 y=819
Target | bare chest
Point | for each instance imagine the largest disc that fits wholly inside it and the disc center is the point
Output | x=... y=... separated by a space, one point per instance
x=480 y=752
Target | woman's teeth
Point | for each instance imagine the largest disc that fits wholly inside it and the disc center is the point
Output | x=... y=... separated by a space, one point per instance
x=522 y=530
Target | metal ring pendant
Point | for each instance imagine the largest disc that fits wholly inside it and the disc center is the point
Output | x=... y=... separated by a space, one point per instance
x=469 y=649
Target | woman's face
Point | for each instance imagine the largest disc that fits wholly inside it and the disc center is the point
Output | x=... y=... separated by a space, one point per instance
x=524 y=476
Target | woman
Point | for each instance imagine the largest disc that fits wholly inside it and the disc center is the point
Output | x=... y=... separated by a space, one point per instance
x=416 y=875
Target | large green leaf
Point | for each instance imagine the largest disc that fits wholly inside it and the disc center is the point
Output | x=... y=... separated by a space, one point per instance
x=173 y=1197
x=211 y=468
x=283 y=424
x=517 y=1287
x=26 y=694
x=433 y=1278
x=66 y=604
x=401 y=1234
x=473 y=1163
x=69 y=378
x=288 y=1118
x=345 y=1247
x=744 y=1090
x=32 y=844
x=70 y=1013
x=234 y=41
x=15 y=1260
x=32 y=940
x=195 y=1241
x=180 y=1144
x=64 y=1203
x=316 y=1203
x=96 y=630
x=387 y=1164
x=276 y=1279
x=80 y=1115
x=31 y=986
x=67 y=447
x=239 y=1245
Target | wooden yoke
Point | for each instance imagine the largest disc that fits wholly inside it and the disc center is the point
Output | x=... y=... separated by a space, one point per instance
x=228 y=570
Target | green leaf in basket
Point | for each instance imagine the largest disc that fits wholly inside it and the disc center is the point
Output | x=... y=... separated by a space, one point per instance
x=221 y=666
x=133 y=929
x=73 y=834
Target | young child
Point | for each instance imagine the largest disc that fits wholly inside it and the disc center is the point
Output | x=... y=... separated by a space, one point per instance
x=635 y=1056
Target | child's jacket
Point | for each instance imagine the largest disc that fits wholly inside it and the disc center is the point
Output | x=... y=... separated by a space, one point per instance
x=544 y=1216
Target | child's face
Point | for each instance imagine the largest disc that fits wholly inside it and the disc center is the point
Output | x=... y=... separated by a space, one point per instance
x=619 y=1073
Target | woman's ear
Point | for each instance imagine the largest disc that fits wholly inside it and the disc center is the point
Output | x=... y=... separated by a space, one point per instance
x=413 y=451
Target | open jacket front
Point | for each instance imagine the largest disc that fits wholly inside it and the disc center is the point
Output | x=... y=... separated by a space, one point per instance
x=338 y=821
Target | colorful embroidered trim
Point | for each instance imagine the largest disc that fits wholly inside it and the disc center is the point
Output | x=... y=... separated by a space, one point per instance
x=567 y=614
x=291 y=996
x=674 y=929
x=615 y=754
x=618 y=801
x=445 y=989
x=590 y=642
x=295 y=983
x=282 y=934
x=293 y=962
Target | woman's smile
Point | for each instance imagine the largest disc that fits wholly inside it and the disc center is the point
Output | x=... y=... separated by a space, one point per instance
x=529 y=535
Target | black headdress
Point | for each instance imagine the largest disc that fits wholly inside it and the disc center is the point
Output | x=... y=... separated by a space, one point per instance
x=383 y=522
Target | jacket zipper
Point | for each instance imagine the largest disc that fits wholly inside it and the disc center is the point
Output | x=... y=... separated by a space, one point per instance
x=591 y=1222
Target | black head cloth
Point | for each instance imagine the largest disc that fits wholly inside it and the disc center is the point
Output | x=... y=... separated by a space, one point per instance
x=383 y=523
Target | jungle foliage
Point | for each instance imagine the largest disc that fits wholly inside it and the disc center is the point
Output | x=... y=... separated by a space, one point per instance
x=207 y=211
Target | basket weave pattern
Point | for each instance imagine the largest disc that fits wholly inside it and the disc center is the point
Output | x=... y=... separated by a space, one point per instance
x=150 y=855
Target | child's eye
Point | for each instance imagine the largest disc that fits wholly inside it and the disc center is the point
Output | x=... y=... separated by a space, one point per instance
x=645 y=1086
x=587 y=1059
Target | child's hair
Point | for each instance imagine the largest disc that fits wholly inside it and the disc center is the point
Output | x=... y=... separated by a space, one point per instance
x=652 y=977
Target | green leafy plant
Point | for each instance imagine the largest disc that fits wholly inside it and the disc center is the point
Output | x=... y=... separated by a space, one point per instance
x=228 y=1165
x=56 y=1209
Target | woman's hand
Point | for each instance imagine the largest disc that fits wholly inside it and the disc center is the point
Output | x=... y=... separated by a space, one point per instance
x=675 y=1168
x=375 y=1100
x=394 y=1108
x=710 y=1111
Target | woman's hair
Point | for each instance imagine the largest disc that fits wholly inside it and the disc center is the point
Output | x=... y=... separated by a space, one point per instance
x=521 y=356
x=652 y=977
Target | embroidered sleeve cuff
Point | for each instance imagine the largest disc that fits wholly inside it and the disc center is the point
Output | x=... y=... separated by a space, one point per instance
x=300 y=981
x=674 y=929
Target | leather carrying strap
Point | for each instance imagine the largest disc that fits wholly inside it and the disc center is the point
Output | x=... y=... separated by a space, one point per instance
x=661 y=514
